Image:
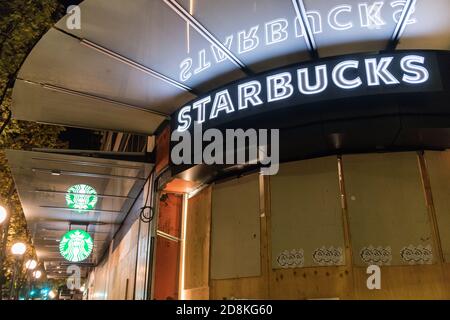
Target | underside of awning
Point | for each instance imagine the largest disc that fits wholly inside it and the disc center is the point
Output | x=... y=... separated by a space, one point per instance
x=43 y=179
x=133 y=63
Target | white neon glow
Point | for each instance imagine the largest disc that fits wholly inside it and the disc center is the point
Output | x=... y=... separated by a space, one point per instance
x=186 y=66
x=183 y=248
x=396 y=16
x=378 y=70
x=249 y=93
x=222 y=102
x=299 y=32
x=414 y=74
x=342 y=18
x=338 y=75
x=333 y=18
x=406 y=12
x=279 y=87
x=219 y=55
x=321 y=80
x=315 y=21
x=370 y=15
x=186 y=16
x=276 y=31
x=248 y=41
x=184 y=119
x=204 y=64
x=300 y=12
x=200 y=105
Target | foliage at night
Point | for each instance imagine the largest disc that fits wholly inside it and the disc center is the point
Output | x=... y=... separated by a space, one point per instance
x=22 y=24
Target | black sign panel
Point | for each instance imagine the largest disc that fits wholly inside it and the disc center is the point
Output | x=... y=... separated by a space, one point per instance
x=306 y=84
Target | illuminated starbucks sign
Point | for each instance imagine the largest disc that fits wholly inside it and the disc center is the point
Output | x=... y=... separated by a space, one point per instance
x=311 y=82
x=81 y=197
x=76 y=245
x=328 y=21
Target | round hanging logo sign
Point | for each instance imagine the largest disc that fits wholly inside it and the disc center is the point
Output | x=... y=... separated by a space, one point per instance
x=81 y=197
x=76 y=245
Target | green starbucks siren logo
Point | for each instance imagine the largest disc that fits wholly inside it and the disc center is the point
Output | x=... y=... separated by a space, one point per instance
x=76 y=245
x=81 y=197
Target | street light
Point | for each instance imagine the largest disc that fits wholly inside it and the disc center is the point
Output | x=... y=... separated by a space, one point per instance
x=51 y=295
x=37 y=274
x=3 y=214
x=18 y=248
x=31 y=264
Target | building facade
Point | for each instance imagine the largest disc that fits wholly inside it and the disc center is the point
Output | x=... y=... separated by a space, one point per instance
x=348 y=102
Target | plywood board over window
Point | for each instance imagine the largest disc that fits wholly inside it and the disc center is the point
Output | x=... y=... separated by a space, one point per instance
x=235 y=229
x=306 y=215
x=166 y=269
x=169 y=217
x=167 y=251
x=389 y=222
x=438 y=166
x=197 y=245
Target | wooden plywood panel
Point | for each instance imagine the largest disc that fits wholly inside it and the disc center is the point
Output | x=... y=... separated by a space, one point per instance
x=239 y=288
x=98 y=281
x=197 y=237
x=122 y=265
x=169 y=214
x=343 y=282
x=197 y=294
x=306 y=214
x=438 y=167
x=405 y=282
x=143 y=251
x=235 y=233
x=126 y=273
x=312 y=283
x=167 y=252
x=386 y=207
x=250 y=287
x=397 y=282
x=166 y=269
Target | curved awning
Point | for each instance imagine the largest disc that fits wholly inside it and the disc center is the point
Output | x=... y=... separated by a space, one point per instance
x=133 y=63
x=43 y=181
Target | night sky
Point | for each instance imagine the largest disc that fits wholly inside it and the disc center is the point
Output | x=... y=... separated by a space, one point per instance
x=67 y=3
